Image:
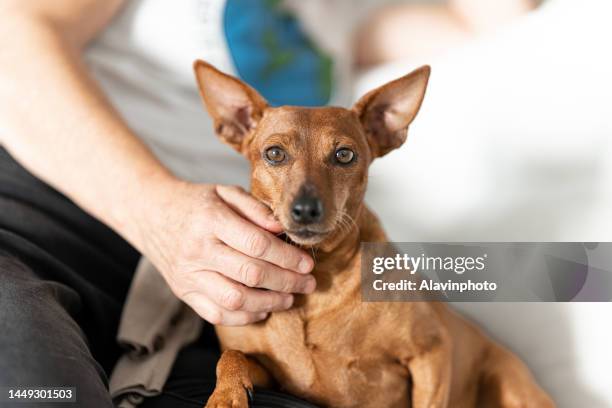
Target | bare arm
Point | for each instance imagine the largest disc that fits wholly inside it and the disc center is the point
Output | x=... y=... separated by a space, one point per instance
x=484 y=15
x=419 y=31
x=53 y=117
x=210 y=242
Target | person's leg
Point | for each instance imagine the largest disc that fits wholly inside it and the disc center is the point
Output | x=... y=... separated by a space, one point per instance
x=40 y=343
x=192 y=380
x=63 y=280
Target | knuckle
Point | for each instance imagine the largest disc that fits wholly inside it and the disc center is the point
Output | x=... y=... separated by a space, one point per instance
x=196 y=223
x=252 y=274
x=248 y=319
x=292 y=260
x=216 y=213
x=217 y=222
x=232 y=299
x=213 y=256
x=214 y=316
x=257 y=244
x=289 y=284
x=190 y=250
x=273 y=303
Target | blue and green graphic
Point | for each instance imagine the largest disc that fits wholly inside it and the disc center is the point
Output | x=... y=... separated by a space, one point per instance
x=272 y=54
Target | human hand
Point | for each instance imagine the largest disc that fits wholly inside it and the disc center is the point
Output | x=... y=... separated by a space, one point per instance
x=216 y=248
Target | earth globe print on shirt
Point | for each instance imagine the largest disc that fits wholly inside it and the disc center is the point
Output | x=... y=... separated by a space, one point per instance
x=272 y=53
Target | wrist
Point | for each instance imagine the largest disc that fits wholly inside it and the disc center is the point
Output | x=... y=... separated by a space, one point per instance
x=143 y=203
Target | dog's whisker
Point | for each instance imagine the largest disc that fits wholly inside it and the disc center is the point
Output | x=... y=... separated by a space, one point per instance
x=351 y=219
x=341 y=222
x=314 y=255
x=345 y=222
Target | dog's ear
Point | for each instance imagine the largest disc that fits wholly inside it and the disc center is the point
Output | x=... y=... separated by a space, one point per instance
x=235 y=107
x=386 y=112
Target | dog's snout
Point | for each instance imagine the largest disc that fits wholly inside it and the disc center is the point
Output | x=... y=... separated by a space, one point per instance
x=307 y=209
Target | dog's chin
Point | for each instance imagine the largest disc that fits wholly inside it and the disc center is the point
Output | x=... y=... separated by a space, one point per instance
x=306 y=236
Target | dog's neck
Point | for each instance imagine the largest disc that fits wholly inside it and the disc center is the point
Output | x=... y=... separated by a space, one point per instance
x=343 y=243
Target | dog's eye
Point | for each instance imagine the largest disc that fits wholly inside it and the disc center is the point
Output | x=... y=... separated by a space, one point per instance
x=344 y=156
x=275 y=155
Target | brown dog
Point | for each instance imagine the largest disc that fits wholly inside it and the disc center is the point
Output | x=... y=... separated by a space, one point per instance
x=310 y=166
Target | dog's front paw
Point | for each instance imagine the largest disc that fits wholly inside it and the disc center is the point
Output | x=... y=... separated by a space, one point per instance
x=229 y=397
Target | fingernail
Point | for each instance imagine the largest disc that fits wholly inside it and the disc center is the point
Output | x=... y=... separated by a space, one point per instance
x=305 y=265
x=310 y=286
x=262 y=316
x=288 y=302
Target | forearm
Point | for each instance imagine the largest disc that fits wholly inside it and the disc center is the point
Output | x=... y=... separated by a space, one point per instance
x=483 y=15
x=57 y=123
x=408 y=31
x=419 y=31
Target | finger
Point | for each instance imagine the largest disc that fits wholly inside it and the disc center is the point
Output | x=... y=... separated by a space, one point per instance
x=247 y=238
x=255 y=273
x=216 y=315
x=249 y=207
x=233 y=296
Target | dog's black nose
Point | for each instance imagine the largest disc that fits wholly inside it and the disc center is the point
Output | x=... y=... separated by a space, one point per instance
x=307 y=209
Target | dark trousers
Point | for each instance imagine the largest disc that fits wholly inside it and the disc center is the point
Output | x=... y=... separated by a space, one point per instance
x=63 y=280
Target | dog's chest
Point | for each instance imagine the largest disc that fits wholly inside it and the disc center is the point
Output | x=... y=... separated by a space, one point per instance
x=333 y=361
x=338 y=364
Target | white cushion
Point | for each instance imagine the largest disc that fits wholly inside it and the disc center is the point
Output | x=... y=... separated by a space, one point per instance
x=514 y=143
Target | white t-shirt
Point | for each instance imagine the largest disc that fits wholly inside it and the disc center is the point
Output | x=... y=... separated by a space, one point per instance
x=144 y=60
